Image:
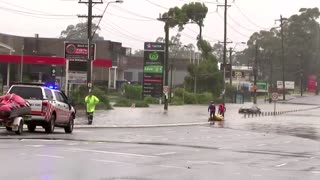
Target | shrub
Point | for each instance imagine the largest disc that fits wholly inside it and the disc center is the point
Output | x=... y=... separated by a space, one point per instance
x=204 y=98
x=132 y=91
x=123 y=102
x=179 y=92
x=190 y=98
x=151 y=100
x=141 y=104
x=177 y=101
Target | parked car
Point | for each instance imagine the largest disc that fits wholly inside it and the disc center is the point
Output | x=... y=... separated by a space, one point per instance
x=250 y=109
x=50 y=107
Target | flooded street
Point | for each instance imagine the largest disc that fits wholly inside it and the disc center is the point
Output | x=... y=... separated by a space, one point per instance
x=303 y=123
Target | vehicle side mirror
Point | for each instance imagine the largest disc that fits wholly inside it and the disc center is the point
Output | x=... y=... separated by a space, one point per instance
x=70 y=101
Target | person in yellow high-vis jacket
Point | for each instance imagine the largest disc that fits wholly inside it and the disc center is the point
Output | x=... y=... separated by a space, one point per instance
x=91 y=102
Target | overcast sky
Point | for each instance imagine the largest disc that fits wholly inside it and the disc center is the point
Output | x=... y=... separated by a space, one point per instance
x=134 y=21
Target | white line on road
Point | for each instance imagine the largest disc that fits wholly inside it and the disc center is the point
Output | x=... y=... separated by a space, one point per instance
x=165 y=153
x=41 y=140
x=261 y=144
x=111 y=152
x=205 y=162
x=315 y=172
x=50 y=156
x=107 y=161
x=280 y=165
x=175 y=167
x=72 y=144
x=35 y=146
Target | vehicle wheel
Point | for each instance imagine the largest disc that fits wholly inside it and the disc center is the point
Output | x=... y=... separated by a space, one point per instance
x=69 y=128
x=20 y=128
x=9 y=128
x=31 y=127
x=49 y=128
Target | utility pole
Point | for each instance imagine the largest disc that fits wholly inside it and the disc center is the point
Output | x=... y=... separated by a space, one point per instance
x=282 y=55
x=255 y=72
x=224 y=48
x=166 y=56
x=90 y=4
x=301 y=74
x=230 y=56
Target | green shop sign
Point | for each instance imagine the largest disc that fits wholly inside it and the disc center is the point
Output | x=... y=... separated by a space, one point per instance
x=153 y=69
x=154 y=56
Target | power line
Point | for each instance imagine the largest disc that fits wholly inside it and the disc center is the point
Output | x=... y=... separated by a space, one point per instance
x=233 y=28
x=248 y=19
x=35 y=15
x=123 y=29
x=133 y=13
x=122 y=33
x=157 y=4
x=32 y=10
x=133 y=19
x=240 y=25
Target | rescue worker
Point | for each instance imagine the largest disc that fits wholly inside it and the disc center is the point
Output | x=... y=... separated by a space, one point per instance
x=212 y=110
x=222 y=109
x=91 y=102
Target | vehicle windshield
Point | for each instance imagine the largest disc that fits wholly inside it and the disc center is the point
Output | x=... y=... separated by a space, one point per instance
x=27 y=92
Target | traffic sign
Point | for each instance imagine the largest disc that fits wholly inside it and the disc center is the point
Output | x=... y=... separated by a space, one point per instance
x=275 y=96
x=165 y=89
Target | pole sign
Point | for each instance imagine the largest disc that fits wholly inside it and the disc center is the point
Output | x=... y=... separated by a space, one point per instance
x=153 y=68
x=275 y=97
x=77 y=55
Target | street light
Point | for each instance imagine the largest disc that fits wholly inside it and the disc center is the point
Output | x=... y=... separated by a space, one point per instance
x=190 y=47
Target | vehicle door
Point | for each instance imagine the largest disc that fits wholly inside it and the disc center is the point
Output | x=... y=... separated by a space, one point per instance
x=63 y=106
x=60 y=108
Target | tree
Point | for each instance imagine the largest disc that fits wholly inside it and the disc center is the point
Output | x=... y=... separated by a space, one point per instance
x=196 y=13
x=80 y=31
x=301 y=46
x=205 y=76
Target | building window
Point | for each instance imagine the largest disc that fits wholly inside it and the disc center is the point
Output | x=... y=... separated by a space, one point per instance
x=140 y=77
x=128 y=76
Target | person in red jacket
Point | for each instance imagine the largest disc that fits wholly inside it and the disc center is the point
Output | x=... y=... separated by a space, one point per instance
x=222 y=109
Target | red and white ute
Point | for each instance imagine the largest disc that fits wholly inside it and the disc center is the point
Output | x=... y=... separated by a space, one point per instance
x=50 y=108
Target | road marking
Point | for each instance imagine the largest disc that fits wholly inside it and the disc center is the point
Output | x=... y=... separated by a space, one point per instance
x=107 y=161
x=280 y=165
x=72 y=144
x=287 y=142
x=205 y=162
x=82 y=131
x=257 y=175
x=50 y=156
x=176 y=167
x=111 y=152
x=315 y=172
x=35 y=146
x=165 y=153
x=41 y=140
x=261 y=144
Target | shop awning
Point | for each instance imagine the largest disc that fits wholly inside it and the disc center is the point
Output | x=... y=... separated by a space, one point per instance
x=32 y=59
x=50 y=60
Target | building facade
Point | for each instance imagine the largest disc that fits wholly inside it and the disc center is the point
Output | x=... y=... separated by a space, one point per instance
x=54 y=47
